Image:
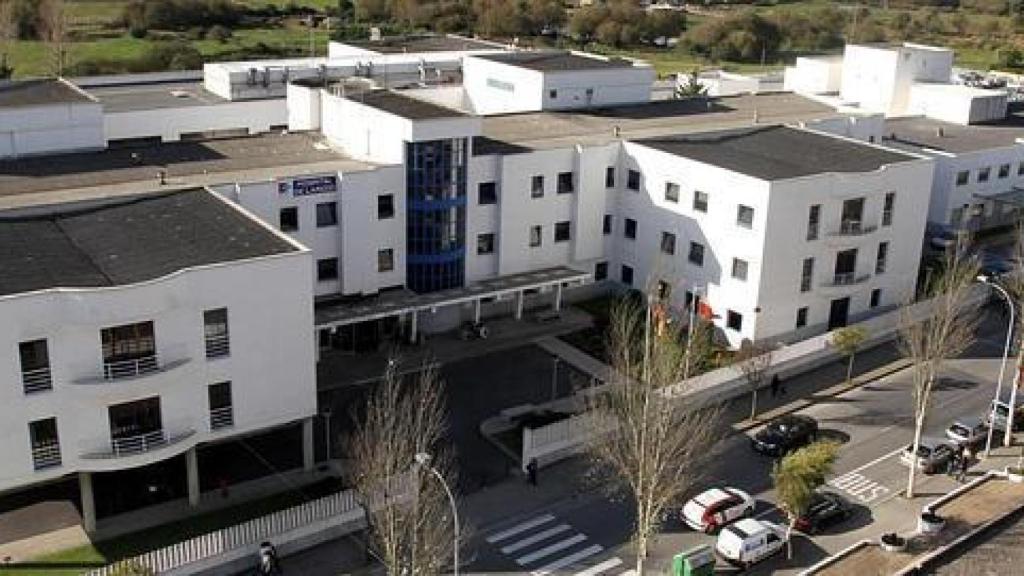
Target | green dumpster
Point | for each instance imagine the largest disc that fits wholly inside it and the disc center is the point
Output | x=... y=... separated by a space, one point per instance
x=699 y=561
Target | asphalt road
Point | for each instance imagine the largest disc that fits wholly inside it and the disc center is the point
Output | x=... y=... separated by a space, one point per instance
x=589 y=534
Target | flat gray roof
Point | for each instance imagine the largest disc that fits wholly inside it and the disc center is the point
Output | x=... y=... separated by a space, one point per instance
x=543 y=130
x=179 y=159
x=401 y=105
x=128 y=242
x=777 y=152
x=925 y=133
x=422 y=43
x=27 y=93
x=556 y=61
x=153 y=96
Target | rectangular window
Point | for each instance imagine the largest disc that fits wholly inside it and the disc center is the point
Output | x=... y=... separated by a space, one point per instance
x=35 y=366
x=565 y=184
x=882 y=257
x=668 y=243
x=385 y=206
x=983 y=174
x=215 y=333
x=700 y=201
x=563 y=231
x=744 y=216
x=672 y=192
x=45 y=443
x=485 y=243
x=806 y=274
x=1004 y=170
x=606 y=226
x=664 y=290
x=627 y=275
x=852 y=219
x=600 y=271
x=326 y=214
x=552 y=94
x=327 y=269
x=1020 y=169
x=288 y=219
x=535 y=236
x=734 y=320
x=633 y=180
x=629 y=230
x=801 y=317
x=609 y=177
x=890 y=204
x=221 y=408
x=385 y=260
x=739 y=269
x=964 y=176
x=813 y=221
x=128 y=350
x=487 y=193
x=696 y=255
x=537 y=187
x=876 y=298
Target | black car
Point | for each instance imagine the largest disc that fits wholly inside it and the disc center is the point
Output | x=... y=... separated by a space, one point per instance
x=826 y=509
x=785 y=433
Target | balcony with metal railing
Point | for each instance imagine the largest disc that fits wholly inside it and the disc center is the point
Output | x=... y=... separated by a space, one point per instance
x=46 y=455
x=127 y=446
x=852 y=228
x=158 y=362
x=218 y=346
x=223 y=417
x=840 y=279
x=37 y=380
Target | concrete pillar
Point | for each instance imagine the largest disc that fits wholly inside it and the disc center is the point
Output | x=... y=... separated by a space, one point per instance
x=413 y=325
x=307 y=445
x=88 y=504
x=476 y=310
x=192 y=472
x=519 y=305
x=558 y=297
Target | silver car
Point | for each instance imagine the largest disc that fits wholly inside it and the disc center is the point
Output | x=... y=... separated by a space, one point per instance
x=967 y=431
x=933 y=455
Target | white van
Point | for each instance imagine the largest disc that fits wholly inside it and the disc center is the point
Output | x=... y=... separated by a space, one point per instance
x=749 y=541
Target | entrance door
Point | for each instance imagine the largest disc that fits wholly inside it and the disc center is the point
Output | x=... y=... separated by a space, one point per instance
x=838 y=313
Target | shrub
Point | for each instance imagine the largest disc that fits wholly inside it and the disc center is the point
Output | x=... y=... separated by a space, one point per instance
x=219 y=33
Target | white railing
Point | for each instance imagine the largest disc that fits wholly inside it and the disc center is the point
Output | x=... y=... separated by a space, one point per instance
x=222 y=418
x=139 y=444
x=853 y=228
x=46 y=455
x=37 y=380
x=130 y=368
x=218 y=346
x=345 y=510
x=847 y=279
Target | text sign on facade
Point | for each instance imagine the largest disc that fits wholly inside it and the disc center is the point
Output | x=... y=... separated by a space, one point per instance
x=306 y=186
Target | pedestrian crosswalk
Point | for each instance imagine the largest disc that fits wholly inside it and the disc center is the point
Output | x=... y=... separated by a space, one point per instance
x=543 y=545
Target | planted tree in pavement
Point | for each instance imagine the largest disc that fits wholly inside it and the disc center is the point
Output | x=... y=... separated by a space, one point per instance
x=796 y=478
x=847 y=341
x=652 y=447
x=753 y=362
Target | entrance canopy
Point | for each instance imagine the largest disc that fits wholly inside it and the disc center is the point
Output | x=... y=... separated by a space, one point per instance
x=1014 y=196
x=398 y=302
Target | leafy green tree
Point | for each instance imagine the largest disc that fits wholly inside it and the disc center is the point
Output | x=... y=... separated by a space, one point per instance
x=745 y=37
x=692 y=88
x=797 y=476
x=346 y=10
x=847 y=341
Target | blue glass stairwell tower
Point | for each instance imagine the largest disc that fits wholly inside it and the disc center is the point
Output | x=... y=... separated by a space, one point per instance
x=435 y=182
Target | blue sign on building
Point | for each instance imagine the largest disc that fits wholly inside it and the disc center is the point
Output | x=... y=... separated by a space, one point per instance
x=306 y=186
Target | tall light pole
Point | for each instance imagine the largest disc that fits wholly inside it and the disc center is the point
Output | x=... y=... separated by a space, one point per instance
x=1002 y=365
x=423 y=459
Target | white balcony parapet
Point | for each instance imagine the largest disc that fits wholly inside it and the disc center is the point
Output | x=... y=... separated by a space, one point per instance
x=846 y=279
x=164 y=359
x=853 y=228
x=139 y=444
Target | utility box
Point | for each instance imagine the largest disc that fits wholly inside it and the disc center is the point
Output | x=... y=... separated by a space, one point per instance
x=699 y=561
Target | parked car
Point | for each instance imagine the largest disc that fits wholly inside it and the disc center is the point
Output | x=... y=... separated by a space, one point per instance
x=785 y=433
x=1002 y=413
x=967 y=431
x=714 y=508
x=933 y=455
x=749 y=541
x=826 y=509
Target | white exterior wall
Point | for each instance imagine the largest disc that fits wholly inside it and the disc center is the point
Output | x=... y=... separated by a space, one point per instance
x=303 y=108
x=880 y=78
x=483 y=80
x=272 y=378
x=947 y=196
x=957 y=104
x=170 y=123
x=363 y=132
x=342 y=50
x=51 y=128
x=865 y=127
x=814 y=75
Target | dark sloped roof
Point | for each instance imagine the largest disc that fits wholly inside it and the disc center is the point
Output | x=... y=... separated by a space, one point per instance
x=128 y=242
x=777 y=152
x=556 y=61
x=402 y=105
x=23 y=93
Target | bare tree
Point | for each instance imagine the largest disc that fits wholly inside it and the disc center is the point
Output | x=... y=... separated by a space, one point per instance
x=754 y=362
x=402 y=419
x=53 y=23
x=945 y=333
x=650 y=445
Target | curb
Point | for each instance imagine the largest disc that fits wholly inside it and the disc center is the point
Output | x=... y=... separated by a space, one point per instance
x=831 y=392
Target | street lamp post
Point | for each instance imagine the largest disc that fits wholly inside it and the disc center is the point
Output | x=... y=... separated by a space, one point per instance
x=1002 y=365
x=423 y=459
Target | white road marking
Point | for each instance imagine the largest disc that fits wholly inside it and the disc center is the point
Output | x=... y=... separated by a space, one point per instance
x=628 y=573
x=549 y=550
x=598 y=568
x=531 y=523
x=859 y=486
x=535 y=538
x=876 y=460
x=568 y=560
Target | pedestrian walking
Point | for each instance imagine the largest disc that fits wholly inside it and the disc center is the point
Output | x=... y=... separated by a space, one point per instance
x=961 y=473
x=775 y=385
x=531 y=472
x=268 y=564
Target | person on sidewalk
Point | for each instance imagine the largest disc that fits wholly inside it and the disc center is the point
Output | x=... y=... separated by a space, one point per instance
x=964 y=464
x=775 y=385
x=531 y=472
